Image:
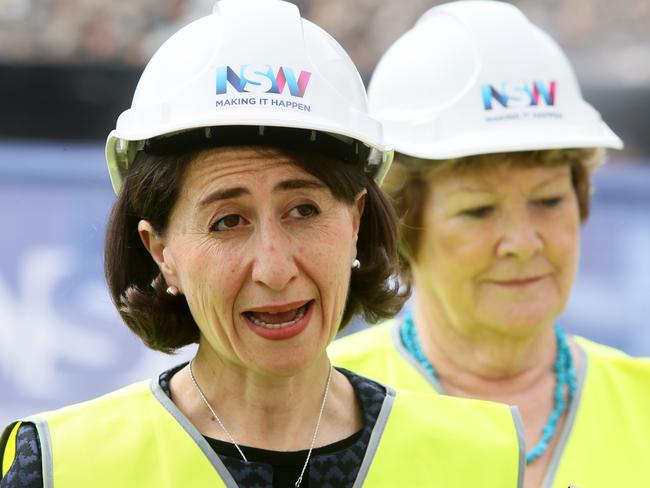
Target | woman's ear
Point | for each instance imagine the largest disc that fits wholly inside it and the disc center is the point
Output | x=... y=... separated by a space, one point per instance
x=359 y=205
x=156 y=245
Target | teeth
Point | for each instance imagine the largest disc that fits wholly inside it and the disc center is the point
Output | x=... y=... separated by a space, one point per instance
x=280 y=325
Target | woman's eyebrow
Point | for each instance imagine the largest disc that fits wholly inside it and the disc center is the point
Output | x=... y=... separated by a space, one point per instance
x=238 y=191
x=224 y=195
x=298 y=184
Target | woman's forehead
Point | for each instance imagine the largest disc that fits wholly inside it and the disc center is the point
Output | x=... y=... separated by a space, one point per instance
x=233 y=156
x=490 y=164
x=241 y=160
x=241 y=165
x=502 y=174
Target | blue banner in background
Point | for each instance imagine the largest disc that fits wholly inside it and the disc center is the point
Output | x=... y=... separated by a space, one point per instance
x=610 y=301
x=61 y=340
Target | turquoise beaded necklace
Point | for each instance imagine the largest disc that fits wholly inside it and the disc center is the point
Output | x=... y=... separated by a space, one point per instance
x=563 y=369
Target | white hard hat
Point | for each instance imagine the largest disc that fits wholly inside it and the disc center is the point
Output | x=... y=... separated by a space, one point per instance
x=476 y=77
x=250 y=63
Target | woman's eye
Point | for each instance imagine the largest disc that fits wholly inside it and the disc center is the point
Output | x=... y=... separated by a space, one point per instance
x=228 y=222
x=549 y=202
x=478 y=212
x=304 y=210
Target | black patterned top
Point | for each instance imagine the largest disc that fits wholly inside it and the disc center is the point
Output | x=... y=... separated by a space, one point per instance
x=335 y=465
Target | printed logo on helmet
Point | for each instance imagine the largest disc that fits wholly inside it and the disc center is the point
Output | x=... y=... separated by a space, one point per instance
x=522 y=94
x=251 y=78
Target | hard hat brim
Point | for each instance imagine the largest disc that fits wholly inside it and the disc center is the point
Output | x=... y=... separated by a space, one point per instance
x=488 y=142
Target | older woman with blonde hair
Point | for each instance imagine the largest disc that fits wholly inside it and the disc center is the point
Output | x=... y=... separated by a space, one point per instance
x=495 y=153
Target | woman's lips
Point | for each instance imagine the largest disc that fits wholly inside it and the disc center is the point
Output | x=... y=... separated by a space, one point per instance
x=279 y=322
x=284 y=307
x=519 y=282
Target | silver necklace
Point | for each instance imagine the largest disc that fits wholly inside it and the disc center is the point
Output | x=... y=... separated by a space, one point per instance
x=313 y=439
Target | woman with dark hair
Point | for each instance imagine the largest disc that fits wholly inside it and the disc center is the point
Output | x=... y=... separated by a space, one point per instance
x=492 y=181
x=249 y=220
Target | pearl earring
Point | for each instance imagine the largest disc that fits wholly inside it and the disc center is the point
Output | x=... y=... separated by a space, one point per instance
x=356 y=264
x=172 y=290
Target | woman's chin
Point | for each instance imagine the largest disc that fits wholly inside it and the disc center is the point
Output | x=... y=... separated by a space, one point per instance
x=285 y=367
x=285 y=352
x=522 y=320
x=282 y=361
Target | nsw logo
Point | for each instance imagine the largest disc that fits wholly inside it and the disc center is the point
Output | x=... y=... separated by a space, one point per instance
x=262 y=79
x=521 y=94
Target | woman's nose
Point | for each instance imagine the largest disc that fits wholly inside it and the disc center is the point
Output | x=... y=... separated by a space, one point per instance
x=520 y=238
x=274 y=263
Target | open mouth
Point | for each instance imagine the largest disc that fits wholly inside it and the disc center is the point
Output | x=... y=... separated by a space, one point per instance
x=278 y=320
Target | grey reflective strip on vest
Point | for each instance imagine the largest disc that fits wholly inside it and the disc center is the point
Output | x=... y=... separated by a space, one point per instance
x=375 y=437
x=46 y=452
x=519 y=427
x=397 y=341
x=45 y=442
x=193 y=433
x=581 y=375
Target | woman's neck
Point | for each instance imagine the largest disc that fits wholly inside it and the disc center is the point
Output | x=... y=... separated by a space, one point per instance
x=263 y=410
x=492 y=365
x=479 y=362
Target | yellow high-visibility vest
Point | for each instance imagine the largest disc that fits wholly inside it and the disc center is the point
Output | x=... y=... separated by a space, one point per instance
x=605 y=441
x=136 y=437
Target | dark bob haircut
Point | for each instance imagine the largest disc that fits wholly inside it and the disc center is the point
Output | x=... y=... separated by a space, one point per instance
x=150 y=190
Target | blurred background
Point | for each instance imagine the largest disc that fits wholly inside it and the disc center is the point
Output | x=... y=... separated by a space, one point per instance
x=69 y=67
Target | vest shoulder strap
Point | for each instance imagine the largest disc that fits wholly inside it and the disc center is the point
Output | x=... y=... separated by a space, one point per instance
x=374 y=338
x=612 y=402
x=127 y=438
x=376 y=352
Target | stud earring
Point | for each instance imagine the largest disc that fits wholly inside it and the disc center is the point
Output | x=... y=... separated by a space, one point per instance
x=356 y=264
x=172 y=290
